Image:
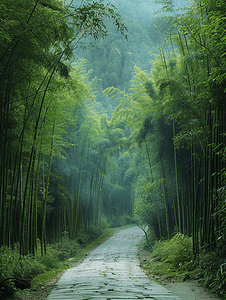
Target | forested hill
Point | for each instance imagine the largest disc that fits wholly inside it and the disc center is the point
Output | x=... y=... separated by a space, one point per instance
x=110 y=116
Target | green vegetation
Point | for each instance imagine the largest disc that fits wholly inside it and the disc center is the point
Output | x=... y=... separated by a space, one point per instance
x=29 y=272
x=174 y=260
x=175 y=113
x=102 y=123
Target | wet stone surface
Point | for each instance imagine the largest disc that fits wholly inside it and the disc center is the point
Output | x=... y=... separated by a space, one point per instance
x=111 y=272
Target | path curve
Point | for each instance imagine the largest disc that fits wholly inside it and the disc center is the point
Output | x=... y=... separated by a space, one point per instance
x=111 y=272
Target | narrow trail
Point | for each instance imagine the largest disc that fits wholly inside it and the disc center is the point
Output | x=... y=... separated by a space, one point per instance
x=111 y=272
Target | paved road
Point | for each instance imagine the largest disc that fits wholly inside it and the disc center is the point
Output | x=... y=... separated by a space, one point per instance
x=111 y=272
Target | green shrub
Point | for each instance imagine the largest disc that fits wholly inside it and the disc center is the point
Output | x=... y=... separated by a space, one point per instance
x=68 y=248
x=81 y=241
x=103 y=223
x=28 y=268
x=174 y=258
x=16 y=271
x=93 y=232
x=175 y=255
x=50 y=261
x=181 y=255
x=9 y=261
x=177 y=252
x=210 y=273
x=218 y=283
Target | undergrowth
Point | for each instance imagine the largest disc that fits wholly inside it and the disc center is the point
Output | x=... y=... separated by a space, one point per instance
x=212 y=272
x=29 y=272
x=174 y=260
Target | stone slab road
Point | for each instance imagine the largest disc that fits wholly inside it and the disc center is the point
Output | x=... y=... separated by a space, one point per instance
x=111 y=272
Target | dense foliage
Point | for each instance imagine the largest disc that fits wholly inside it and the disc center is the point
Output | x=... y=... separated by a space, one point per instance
x=176 y=116
x=71 y=157
x=42 y=97
x=188 y=106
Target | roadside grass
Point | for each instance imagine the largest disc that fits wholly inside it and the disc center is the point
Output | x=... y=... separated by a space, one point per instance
x=40 y=280
x=173 y=260
x=29 y=273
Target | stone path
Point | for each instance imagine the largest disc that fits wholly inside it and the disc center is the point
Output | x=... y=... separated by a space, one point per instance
x=111 y=272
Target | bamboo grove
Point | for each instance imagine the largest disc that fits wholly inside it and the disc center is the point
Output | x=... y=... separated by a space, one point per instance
x=176 y=114
x=65 y=164
x=47 y=122
x=191 y=93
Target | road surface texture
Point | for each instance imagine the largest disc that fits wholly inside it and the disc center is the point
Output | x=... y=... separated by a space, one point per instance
x=112 y=271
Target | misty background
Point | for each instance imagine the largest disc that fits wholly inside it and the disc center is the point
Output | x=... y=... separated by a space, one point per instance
x=113 y=58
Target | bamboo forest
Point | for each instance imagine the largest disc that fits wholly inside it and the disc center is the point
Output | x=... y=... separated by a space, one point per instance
x=112 y=113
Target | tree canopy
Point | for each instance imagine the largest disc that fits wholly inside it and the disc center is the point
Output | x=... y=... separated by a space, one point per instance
x=103 y=122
